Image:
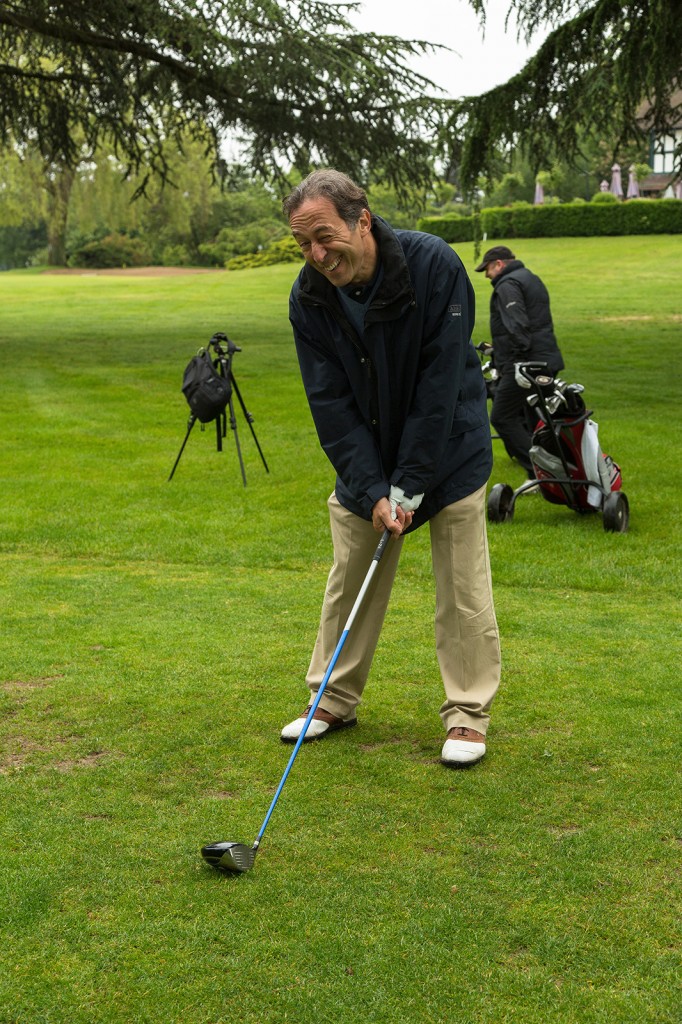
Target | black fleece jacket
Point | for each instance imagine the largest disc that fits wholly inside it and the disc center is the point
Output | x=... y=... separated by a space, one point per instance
x=405 y=402
x=520 y=320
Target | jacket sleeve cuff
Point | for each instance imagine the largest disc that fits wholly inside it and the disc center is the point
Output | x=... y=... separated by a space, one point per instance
x=408 y=489
x=378 y=491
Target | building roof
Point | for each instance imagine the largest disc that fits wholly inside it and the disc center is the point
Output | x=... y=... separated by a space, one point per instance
x=656 y=182
x=675 y=104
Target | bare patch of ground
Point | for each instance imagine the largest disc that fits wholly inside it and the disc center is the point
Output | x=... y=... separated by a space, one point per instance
x=133 y=271
x=24 y=749
x=90 y=760
x=36 y=683
x=642 y=318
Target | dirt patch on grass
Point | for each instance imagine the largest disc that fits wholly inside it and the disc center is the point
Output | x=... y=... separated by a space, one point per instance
x=133 y=271
x=641 y=318
x=37 y=683
x=25 y=750
x=16 y=759
x=90 y=760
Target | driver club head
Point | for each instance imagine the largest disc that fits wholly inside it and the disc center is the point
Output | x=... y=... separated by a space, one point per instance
x=229 y=856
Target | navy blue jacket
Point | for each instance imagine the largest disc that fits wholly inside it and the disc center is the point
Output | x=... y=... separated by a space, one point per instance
x=405 y=403
x=521 y=325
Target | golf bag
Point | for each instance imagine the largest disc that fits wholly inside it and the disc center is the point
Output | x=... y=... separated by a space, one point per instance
x=207 y=384
x=569 y=465
x=206 y=391
x=571 y=441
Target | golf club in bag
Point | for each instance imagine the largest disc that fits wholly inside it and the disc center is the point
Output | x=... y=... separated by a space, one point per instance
x=237 y=856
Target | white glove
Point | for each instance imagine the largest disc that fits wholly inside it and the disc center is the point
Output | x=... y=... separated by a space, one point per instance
x=522 y=381
x=397 y=497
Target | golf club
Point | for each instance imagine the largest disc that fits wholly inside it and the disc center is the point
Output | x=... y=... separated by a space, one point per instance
x=237 y=856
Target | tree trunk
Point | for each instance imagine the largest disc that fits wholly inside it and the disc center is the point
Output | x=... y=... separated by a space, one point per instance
x=59 y=182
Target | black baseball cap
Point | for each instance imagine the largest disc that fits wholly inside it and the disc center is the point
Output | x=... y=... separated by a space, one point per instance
x=498 y=252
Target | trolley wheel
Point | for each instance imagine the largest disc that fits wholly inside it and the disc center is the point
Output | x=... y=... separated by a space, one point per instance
x=616 y=512
x=500 y=508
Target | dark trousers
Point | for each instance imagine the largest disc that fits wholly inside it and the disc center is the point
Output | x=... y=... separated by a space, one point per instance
x=512 y=419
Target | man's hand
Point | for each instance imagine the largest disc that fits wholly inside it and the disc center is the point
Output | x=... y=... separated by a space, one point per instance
x=397 y=496
x=382 y=518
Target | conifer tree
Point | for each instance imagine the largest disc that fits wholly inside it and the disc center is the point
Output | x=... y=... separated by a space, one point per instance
x=610 y=68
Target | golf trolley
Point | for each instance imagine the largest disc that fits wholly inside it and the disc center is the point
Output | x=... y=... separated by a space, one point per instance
x=570 y=467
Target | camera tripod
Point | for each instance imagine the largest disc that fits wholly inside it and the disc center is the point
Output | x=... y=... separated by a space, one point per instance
x=224 y=350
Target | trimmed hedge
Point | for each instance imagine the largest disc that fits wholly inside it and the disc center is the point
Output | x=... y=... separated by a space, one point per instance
x=451 y=228
x=634 y=217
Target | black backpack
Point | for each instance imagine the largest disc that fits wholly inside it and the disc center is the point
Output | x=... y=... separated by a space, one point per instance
x=205 y=390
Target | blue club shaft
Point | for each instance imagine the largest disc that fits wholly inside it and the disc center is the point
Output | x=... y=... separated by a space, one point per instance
x=335 y=657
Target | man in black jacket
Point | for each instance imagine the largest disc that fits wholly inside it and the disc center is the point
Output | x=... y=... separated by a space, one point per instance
x=522 y=331
x=382 y=323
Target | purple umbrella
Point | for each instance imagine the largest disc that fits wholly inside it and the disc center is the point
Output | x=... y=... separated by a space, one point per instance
x=633 y=187
x=604 y=186
x=616 y=186
x=678 y=190
x=539 y=194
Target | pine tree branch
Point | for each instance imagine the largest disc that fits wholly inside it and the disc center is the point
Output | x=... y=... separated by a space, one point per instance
x=592 y=73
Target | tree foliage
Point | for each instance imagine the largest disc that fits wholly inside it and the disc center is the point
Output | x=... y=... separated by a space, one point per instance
x=291 y=77
x=297 y=86
x=610 y=67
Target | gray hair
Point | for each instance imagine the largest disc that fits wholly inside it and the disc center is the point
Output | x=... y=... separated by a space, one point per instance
x=348 y=199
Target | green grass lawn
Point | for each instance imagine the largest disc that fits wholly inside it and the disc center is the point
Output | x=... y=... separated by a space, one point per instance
x=155 y=637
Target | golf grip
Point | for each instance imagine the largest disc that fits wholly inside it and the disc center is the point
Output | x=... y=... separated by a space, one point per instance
x=346 y=629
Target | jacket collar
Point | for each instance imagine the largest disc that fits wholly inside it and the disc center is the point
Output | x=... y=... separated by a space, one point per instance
x=393 y=291
x=511 y=266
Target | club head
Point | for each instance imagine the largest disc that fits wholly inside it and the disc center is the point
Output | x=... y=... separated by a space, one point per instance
x=229 y=856
x=544 y=380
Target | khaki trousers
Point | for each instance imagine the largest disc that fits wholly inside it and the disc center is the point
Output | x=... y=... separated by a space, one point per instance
x=467 y=639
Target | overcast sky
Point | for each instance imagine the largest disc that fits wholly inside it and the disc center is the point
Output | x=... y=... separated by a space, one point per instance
x=480 y=61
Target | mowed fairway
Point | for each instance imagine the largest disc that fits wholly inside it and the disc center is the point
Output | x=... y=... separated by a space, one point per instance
x=155 y=637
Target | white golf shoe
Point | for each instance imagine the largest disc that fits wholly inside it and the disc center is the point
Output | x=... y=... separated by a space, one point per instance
x=463 y=747
x=321 y=725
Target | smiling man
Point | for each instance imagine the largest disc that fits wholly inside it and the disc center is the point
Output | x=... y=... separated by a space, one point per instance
x=346 y=255
x=382 y=323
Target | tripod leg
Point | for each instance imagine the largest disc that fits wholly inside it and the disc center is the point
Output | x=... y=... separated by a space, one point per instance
x=233 y=425
x=192 y=421
x=249 y=419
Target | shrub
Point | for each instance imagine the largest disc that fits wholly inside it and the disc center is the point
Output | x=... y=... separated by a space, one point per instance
x=565 y=220
x=285 y=250
x=115 y=250
x=244 y=240
x=650 y=216
x=643 y=171
x=176 y=256
x=451 y=228
x=604 y=197
x=22 y=245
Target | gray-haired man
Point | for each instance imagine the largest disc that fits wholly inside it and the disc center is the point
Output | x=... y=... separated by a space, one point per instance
x=382 y=322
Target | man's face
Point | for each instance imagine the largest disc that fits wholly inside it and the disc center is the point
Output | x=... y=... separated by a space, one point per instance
x=493 y=268
x=343 y=255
